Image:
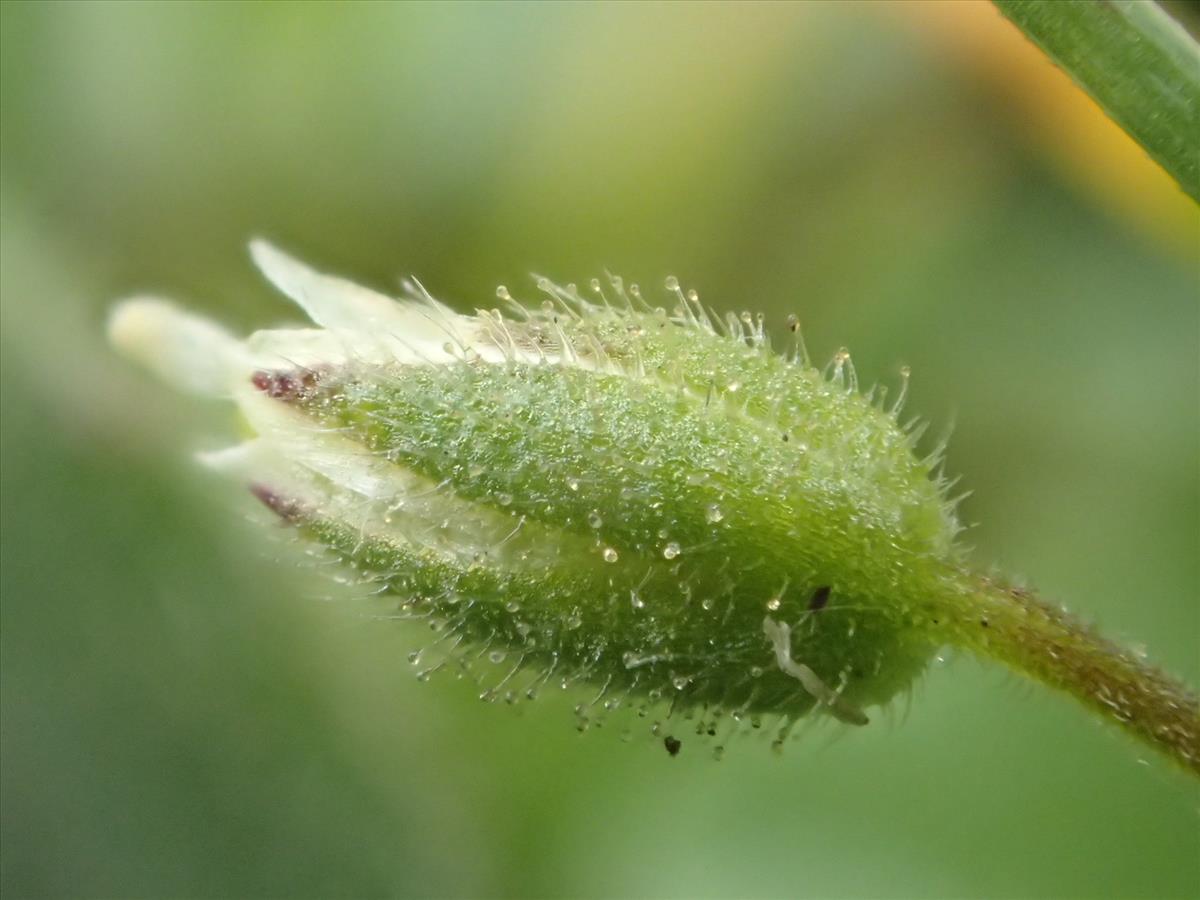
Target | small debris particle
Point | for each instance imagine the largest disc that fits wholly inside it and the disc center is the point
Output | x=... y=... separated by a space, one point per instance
x=672 y=744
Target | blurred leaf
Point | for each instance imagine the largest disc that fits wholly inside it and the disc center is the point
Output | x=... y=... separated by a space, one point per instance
x=1136 y=61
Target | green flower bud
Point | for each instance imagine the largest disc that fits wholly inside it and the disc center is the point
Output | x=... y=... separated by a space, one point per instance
x=649 y=501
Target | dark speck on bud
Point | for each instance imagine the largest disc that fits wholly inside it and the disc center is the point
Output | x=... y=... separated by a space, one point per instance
x=819 y=598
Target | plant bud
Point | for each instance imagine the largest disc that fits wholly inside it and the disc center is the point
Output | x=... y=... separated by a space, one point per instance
x=648 y=501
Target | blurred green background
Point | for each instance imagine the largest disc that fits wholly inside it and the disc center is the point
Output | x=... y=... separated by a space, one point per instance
x=183 y=715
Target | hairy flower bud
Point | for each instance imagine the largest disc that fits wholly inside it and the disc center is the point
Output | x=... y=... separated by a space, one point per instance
x=651 y=501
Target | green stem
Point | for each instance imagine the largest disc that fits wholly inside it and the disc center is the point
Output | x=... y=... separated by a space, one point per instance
x=1136 y=62
x=1048 y=644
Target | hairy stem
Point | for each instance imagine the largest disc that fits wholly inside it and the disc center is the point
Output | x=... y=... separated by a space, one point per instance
x=1135 y=61
x=1048 y=644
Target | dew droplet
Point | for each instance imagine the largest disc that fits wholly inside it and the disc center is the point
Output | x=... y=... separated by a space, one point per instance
x=573 y=483
x=496 y=656
x=636 y=600
x=713 y=514
x=773 y=604
x=610 y=555
x=679 y=682
x=502 y=292
x=504 y=499
x=756 y=671
x=594 y=520
x=671 y=550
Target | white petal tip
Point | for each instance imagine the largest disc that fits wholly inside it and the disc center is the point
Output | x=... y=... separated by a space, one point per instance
x=187 y=351
x=372 y=324
x=228 y=459
x=279 y=268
